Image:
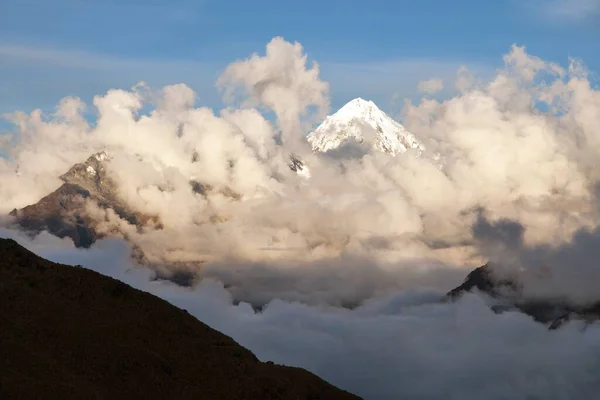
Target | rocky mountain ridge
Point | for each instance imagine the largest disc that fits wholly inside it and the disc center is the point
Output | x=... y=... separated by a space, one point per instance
x=63 y=212
x=553 y=313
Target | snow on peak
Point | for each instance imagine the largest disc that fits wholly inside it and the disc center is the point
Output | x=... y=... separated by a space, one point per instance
x=102 y=156
x=362 y=121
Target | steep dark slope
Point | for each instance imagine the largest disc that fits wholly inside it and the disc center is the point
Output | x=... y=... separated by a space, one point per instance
x=481 y=279
x=71 y=333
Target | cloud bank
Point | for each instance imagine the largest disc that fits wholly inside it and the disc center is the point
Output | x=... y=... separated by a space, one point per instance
x=406 y=345
x=348 y=266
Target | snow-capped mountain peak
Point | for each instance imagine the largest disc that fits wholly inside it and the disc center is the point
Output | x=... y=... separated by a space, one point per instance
x=362 y=121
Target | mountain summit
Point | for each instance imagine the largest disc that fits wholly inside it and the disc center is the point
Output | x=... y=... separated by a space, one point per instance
x=64 y=212
x=365 y=123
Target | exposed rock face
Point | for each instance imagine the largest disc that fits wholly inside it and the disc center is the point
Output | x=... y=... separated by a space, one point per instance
x=60 y=213
x=298 y=166
x=63 y=212
x=71 y=333
x=553 y=313
x=482 y=279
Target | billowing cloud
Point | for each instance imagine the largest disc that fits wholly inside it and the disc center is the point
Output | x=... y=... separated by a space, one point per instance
x=282 y=82
x=487 y=148
x=349 y=264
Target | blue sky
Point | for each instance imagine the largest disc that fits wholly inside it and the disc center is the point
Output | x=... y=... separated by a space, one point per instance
x=376 y=49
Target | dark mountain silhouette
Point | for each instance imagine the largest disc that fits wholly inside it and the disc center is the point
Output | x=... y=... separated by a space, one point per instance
x=71 y=333
x=553 y=313
x=482 y=279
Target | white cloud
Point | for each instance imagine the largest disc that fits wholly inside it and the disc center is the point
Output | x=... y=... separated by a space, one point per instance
x=362 y=231
x=393 y=208
x=283 y=82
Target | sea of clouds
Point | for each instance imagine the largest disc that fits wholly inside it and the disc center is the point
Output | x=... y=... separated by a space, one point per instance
x=348 y=267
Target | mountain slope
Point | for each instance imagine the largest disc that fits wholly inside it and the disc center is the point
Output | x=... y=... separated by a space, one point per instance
x=71 y=333
x=63 y=212
x=361 y=121
x=507 y=292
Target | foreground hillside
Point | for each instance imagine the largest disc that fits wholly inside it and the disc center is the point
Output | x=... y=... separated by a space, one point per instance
x=71 y=333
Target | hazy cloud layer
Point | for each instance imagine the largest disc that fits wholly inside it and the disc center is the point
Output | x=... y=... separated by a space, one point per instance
x=431 y=86
x=42 y=74
x=569 y=10
x=406 y=345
